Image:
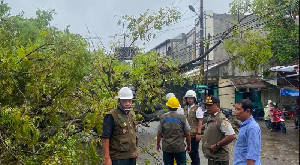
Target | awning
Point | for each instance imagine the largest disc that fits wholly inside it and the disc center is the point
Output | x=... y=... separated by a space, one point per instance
x=289 y=92
x=248 y=83
x=291 y=68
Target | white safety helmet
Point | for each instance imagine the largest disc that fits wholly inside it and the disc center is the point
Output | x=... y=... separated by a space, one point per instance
x=191 y=93
x=169 y=95
x=125 y=93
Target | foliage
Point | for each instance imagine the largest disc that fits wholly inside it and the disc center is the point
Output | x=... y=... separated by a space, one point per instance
x=142 y=27
x=254 y=46
x=278 y=40
x=150 y=73
x=54 y=93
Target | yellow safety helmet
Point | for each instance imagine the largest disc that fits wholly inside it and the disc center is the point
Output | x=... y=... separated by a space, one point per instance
x=173 y=102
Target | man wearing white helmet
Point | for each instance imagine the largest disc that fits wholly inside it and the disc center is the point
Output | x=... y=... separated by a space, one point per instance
x=179 y=110
x=194 y=115
x=119 y=140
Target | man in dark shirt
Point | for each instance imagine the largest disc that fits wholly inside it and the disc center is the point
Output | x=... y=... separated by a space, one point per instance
x=119 y=139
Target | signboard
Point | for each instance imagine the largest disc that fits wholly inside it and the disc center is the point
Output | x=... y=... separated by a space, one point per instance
x=201 y=86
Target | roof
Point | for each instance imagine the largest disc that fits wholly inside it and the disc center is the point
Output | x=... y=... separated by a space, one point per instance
x=248 y=83
x=211 y=64
x=166 y=42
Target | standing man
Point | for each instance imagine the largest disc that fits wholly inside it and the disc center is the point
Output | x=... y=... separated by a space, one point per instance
x=194 y=115
x=217 y=135
x=173 y=127
x=248 y=144
x=119 y=140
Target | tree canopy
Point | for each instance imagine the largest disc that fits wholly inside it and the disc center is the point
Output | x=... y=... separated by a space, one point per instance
x=54 y=92
x=269 y=36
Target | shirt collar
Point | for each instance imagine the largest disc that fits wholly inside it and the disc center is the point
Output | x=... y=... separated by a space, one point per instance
x=247 y=121
x=215 y=114
x=192 y=105
x=123 y=111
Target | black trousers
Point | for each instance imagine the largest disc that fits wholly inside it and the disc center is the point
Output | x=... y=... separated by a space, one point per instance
x=131 y=161
x=179 y=157
x=194 y=154
x=212 y=162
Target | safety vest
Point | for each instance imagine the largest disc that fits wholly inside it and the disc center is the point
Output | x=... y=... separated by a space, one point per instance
x=212 y=135
x=173 y=132
x=192 y=119
x=123 y=140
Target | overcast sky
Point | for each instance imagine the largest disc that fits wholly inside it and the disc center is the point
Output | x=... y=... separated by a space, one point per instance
x=101 y=16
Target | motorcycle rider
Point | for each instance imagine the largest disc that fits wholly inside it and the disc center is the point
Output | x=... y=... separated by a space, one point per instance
x=267 y=113
x=277 y=120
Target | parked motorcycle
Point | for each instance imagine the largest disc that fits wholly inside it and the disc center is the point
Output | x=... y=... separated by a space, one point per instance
x=257 y=113
x=276 y=121
x=227 y=112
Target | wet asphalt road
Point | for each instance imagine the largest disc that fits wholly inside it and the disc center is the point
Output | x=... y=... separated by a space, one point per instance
x=277 y=148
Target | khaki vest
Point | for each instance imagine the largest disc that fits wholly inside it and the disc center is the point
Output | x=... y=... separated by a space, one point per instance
x=123 y=140
x=173 y=132
x=192 y=119
x=212 y=135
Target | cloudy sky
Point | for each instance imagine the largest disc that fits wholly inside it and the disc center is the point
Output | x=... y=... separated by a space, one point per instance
x=101 y=16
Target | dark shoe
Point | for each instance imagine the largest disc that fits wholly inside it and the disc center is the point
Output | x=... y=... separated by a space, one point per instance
x=296 y=127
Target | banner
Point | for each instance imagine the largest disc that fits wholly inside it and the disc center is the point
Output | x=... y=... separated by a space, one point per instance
x=289 y=92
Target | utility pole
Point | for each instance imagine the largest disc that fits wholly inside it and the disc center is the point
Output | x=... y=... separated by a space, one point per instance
x=201 y=44
x=206 y=78
x=124 y=35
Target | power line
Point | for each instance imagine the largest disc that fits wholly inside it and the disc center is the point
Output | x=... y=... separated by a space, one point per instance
x=225 y=34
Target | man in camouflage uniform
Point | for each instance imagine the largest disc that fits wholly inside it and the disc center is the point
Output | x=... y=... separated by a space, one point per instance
x=173 y=127
x=217 y=135
x=119 y=140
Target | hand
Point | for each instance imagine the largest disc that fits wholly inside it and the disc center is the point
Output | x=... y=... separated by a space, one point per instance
x=188 y=149
x=213 y=147
x=198 y=137
x=158 y=148
x=183 y=101
x=107 y=161
x=137 y=155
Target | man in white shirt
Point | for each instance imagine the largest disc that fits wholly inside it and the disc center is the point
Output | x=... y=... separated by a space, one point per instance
x=194 y=115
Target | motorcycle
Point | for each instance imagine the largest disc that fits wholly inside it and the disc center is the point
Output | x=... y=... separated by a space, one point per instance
x=257 y=113
x=276 y=121
x=227 y=112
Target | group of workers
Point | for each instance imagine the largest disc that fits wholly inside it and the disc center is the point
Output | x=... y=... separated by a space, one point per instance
x=180 y=131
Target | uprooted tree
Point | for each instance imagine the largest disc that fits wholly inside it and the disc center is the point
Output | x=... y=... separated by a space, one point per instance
x=54 y=92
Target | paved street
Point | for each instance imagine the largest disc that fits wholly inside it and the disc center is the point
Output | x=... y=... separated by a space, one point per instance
x=277 y=148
